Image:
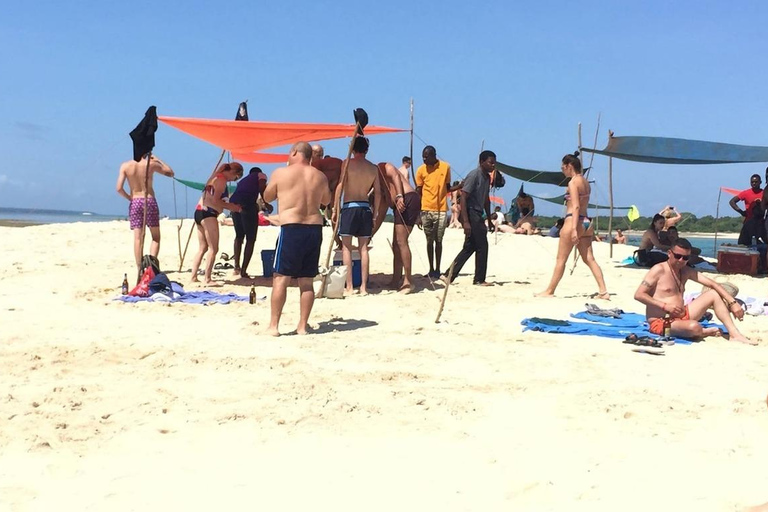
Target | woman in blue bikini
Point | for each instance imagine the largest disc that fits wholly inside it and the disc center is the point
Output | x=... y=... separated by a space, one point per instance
x=577 y=230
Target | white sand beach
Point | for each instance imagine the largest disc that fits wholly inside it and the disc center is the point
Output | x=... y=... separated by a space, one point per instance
x=112 y=406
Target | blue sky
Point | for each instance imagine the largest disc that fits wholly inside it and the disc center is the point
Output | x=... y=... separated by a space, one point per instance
x=516 y=76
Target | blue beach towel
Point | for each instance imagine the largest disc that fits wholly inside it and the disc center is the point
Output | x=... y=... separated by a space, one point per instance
x=629 y=323
x=628 y=320
x=202 y=297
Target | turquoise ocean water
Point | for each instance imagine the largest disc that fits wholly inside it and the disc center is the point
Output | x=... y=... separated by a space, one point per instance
x=705 y=243
x=37 y=216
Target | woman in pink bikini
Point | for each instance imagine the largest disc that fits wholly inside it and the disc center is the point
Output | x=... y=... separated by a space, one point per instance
x=577 y=230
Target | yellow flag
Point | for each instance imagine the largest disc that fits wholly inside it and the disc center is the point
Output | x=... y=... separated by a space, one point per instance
x=633 y=214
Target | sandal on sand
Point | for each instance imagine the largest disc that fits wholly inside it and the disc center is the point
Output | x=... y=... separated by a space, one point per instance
x=603 y=296
x=642 y=341
x=631 y=339
x=645 y=341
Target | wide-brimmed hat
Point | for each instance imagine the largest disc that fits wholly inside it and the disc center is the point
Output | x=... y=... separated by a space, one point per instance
x=731 y=288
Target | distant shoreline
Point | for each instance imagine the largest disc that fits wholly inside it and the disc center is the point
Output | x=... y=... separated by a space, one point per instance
x=692 y=234
x=11 y=223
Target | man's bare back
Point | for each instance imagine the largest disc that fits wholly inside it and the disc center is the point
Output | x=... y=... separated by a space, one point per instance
x=300 y=190
x=361 y=178
x=403 y=172
x=136 y=175
x=331 y=167
x=391 y=172
x=328 y=165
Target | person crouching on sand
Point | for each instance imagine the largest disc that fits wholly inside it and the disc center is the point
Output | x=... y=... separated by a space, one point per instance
x=577 y=229
x=211 y=204
x=300 y=190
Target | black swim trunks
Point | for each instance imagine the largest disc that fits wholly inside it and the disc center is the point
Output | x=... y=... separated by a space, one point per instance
x=356 y=219
x=201 y=215
x=409 y=216
x=298 y=250
x=246 y=223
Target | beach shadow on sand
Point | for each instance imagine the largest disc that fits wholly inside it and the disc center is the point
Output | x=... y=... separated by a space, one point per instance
x=459 y=281
x=254 y=281
x=342 y=324
x=380 y=283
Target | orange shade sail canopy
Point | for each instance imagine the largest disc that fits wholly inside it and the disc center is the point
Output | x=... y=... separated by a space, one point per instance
x=259 y=158
x=732 y=191
x=496 y=200
x=244 y=137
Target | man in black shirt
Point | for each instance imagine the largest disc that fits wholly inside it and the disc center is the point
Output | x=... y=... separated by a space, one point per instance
x=475 y=201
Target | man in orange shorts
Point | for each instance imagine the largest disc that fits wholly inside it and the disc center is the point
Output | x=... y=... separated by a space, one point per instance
x=662 y=289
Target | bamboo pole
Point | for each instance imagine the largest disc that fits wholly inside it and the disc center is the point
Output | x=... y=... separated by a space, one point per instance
x=337 y=213
x=594 y=144
x=445 y=292
x=576 y=247
x=144 y=222
x=178 y=238
x=717 y=218
x=413 y=174
x=610 y=204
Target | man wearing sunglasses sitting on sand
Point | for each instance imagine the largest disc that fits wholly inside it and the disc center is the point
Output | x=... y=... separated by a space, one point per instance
x=662 y=292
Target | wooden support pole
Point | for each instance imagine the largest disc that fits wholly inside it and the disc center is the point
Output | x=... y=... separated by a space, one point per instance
x=192 y=228
x=178 y=237
x=413 y=173
x=337 y=213
x=610 y=204
x=576 y=247
x=144 y=221
x=445 y=292
x=717 y=218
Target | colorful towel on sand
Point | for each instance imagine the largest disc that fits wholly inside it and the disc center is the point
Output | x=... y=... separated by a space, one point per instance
x=201 y=297
x=626 y=324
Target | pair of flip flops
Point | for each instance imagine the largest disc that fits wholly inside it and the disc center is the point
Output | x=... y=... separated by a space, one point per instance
x=642 y=341
x=647 y=345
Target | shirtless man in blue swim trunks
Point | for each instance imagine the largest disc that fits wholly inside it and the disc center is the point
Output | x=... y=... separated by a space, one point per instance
x=300 y=190
x=136 y=174
x=356 y=218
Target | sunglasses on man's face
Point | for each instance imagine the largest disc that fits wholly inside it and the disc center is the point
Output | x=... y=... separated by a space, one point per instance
x=683 y=257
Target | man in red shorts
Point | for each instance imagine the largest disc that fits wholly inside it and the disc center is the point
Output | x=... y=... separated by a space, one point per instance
x=662 y=292
x=406 y=208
